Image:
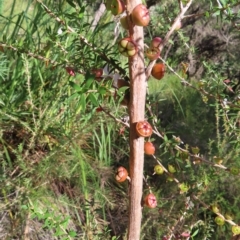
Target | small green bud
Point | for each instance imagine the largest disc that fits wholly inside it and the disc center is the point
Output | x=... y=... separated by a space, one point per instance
x=158 y=169
x=183 y=188
x=195 y=150
x=215 y=208
x=219 y=220
x=234 y=170
x=217 y=160
x=235 y=230
x=171 y=168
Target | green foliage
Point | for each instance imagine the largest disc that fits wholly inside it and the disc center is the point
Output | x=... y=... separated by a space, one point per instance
x=182 y=111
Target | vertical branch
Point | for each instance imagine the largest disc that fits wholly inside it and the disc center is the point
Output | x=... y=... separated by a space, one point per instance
x=136 y=112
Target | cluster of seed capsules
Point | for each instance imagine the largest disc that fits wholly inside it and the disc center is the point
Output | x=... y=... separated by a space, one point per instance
x=143 y=129
x=127 y=46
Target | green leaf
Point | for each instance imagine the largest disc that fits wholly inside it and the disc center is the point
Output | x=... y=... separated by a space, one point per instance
x=2 y=103
x=217 y=12
x=59 y=232
x=165 y=138
x=24 y=207
x=81 y=13
x=89 y=79
x=82 y=102
x=70 y=2
x=72 y=234
x=75 y=95
x=79 y=2
x=122 y=90
x=75 y=86
x=195 y=233
x=223 y=2
x=102 y=90
x=93 y=99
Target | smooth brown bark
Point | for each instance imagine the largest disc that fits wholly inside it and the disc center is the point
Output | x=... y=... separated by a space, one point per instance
x=136 y=111
x=138 y=77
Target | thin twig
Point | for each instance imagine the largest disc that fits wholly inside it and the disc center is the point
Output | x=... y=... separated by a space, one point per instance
x=39 y=57
x=113 y=117
x=168 y=35
x=209 y=208
x=84 y=40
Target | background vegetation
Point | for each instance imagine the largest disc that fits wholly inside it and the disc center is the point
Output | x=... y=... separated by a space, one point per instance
x=59 y=150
